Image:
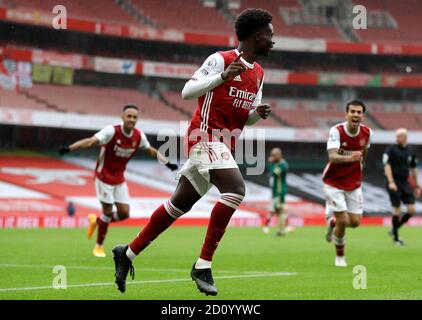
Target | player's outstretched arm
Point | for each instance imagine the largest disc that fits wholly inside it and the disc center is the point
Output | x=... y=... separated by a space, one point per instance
x=156 y=155
x=335 y=157
x=80 y=144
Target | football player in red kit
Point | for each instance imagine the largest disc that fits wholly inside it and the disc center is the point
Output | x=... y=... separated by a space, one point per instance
x=347 y=147
x=118 y=145
x=228 y=87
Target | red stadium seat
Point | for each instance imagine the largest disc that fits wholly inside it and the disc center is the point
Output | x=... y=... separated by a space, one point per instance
x=13 y=99
x=187 y=15
x=394 y=120
x=106 y=10
x=101 y=100
x=403 y=12
x=296 y=30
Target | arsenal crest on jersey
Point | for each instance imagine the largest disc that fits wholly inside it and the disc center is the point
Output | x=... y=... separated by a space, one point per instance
x=362 y=142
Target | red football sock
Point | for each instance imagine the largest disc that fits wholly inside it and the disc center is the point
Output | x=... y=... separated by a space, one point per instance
x=340 y=250
x=220 y=217
x=339 y=245
x=102 y=223
x=160 y=220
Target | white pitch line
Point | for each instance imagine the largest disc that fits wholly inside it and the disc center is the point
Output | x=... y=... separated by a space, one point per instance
x=11 y=265
x=103 y=284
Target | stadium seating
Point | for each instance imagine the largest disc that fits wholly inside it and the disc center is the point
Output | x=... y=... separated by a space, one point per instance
x=171 y=107
x=188 y=15
x=13 y=99
x=108 y=101
x=394 y=120
x=405 y=15
x=175 y=98
x=309 y=119
x=312 y=114
x=93 y=100
x=296 y=30
x=105 y=10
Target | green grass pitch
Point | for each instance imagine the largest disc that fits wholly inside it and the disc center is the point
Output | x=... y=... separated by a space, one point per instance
x=248 y=265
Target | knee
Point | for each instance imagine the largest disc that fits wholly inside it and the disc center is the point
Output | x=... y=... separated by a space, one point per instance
x=183 y=207
x=411 y=211
x=123 y=213
x=238 y=188
x=341 y=221
x=354 y=223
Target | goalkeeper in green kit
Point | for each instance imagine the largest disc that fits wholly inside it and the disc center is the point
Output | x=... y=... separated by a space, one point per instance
x=277 y=168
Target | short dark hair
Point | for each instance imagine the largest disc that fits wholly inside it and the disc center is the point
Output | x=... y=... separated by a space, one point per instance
x=356 y=103
x=130 y=106
x=249 y=20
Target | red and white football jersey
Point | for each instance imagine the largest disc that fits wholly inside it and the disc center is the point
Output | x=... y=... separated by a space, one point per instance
x=117 y=149
x=226 y=107
x=346 y=176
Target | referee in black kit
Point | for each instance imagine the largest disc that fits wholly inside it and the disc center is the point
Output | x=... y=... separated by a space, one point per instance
x=399 y=162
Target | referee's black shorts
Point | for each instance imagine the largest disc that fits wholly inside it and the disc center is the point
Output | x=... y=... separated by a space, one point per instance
x=403 y=194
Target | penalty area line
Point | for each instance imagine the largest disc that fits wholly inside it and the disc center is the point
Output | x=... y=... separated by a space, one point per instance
x=104 y=284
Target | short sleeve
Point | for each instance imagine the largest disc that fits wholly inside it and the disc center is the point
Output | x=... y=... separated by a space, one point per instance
x=144 y=142
x=258 y=98
x=413 y=161
x=368 y=145
x=386 y=157
x=333 y=139
x=105 y=135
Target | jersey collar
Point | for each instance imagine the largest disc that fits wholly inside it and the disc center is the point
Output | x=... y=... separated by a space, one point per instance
x=124 y=133
x=246 y=63
x=347 y=131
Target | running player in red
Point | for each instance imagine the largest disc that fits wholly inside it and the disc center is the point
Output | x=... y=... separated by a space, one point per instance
x=347 y=147
x=228 y=87
x=118 y=145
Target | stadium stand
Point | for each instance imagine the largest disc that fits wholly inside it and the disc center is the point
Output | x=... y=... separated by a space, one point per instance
x=285 y=28
x=187 y=15
x=313 y=114
x=309 y=119
x=174 y=98
x=169 y=106
x=394 y=120
x=12 y=99
x=105 y=10
x=85 y=99
x=407 y=27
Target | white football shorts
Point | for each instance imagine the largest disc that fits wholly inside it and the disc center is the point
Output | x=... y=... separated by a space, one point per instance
x=338 y=200
x=203 y=157
x=108 y=193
